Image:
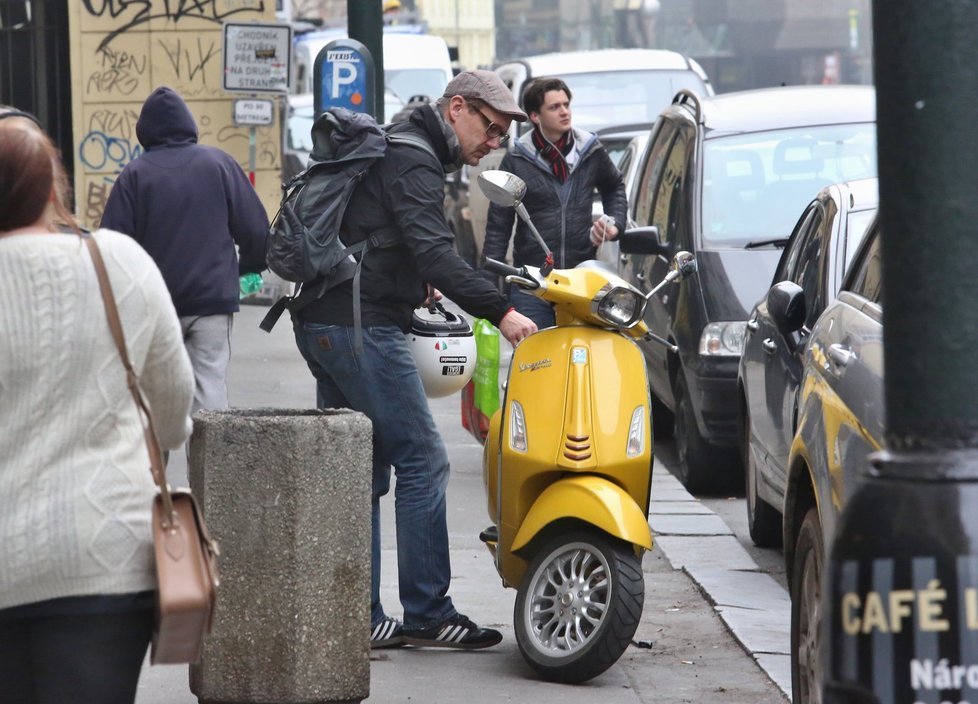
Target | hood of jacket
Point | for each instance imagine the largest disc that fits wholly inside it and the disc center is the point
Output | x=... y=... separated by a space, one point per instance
x=165 y=121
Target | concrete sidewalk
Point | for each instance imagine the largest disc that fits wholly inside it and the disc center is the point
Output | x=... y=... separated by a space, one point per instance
x=684 y=650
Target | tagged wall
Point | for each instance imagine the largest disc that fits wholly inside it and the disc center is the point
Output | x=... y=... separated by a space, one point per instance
x=121 y=51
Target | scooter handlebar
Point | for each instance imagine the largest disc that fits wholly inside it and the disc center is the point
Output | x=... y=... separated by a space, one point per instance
x=497 y=267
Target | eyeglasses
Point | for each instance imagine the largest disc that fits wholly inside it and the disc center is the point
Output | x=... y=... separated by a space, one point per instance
x=493 y=131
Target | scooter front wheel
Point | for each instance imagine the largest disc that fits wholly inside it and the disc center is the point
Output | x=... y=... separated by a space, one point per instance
x=579 y=605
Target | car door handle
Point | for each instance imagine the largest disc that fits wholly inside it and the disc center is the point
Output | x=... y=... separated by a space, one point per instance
x=640 y=276
x=769 y=345
x=752 y=325
x=840 y=354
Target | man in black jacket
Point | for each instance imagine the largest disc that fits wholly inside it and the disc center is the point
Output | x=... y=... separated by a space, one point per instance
x=188 y=205
x=405 y=191
x=562 y=167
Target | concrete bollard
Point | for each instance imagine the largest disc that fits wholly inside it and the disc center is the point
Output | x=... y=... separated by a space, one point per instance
x=286 y=493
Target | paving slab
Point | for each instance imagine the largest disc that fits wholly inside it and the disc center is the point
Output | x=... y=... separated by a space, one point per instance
x=748 y=590
x=778 y=668
x=666 y=508
x=759 y=631
x=705 y=553
x=698 y=524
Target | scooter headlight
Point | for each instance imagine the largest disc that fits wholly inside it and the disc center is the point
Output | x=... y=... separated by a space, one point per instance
x=620 y=307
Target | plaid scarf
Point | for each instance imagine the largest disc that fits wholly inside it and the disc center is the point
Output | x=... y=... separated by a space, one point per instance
x=554 y=152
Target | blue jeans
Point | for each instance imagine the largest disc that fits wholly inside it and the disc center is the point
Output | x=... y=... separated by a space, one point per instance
x=536 y=309
x=383 y=383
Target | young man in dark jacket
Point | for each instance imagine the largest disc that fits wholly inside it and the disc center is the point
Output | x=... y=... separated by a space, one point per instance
x=404 y=192
x=188 y=205
x=562 y=167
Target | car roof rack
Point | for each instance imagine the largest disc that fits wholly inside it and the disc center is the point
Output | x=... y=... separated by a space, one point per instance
x=684 y=96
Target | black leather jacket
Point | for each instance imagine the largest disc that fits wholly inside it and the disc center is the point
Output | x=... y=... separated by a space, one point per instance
x=405 y=190
x=561 y=212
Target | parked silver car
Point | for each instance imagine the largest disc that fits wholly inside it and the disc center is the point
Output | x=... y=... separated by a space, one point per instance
x=841 y=421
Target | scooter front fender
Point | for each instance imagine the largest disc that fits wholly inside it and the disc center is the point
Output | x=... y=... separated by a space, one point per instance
x=590 y=499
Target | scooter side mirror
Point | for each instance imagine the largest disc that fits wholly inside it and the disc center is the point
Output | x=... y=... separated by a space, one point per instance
x=502 y=187
x=641 y=240
x=684 y=264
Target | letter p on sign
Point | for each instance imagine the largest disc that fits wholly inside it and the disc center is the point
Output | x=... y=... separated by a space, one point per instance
x=344 y=73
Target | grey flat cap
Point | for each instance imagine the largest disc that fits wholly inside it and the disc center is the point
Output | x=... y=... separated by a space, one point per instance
x=487 y=87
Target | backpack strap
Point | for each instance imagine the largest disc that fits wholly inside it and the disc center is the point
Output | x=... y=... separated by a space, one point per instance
x=414 y=140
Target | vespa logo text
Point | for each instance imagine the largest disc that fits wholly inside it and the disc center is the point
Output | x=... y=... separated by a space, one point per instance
x=533 y=366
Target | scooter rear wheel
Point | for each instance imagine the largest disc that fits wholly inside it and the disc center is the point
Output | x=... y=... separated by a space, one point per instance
x=579 y=605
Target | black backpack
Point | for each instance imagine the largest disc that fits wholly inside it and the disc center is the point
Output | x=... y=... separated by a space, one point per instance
x=304 y=244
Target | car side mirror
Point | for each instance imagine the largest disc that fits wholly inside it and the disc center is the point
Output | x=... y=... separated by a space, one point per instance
x=641 y=240
x=786 y=306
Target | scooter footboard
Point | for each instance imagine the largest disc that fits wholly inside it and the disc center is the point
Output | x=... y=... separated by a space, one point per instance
x=590 y=499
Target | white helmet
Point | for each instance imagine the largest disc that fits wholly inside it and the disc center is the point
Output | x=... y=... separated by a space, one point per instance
x=443 y=348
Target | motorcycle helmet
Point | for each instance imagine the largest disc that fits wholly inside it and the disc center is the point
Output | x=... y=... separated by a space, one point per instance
x=443 y=348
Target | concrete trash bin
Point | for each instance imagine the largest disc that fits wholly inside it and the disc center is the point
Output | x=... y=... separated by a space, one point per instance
x=286 y=493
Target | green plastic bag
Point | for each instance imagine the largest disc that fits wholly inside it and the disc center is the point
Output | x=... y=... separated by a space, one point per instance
x=250 y=284
x=480 y=397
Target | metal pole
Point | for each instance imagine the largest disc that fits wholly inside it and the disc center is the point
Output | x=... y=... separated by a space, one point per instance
x=365 y=23
x=901 y=593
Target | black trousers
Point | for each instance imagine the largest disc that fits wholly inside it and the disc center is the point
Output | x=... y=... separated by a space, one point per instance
x=83 y=659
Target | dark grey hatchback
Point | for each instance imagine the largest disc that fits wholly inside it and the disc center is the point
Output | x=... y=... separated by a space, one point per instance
x=725 y=178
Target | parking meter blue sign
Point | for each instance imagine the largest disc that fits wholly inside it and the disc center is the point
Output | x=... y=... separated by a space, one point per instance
x=343 y=76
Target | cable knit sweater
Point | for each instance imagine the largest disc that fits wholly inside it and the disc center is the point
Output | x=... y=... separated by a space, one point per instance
x=75 y=486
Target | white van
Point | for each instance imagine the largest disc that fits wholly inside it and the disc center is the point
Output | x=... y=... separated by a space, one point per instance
x=414 y=64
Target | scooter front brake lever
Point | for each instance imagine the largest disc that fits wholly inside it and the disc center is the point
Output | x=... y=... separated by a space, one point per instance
x=662 y=341
x=522 y=282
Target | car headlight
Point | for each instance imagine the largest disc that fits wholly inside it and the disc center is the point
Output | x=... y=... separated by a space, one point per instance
x=723 y=339
x=621 y=307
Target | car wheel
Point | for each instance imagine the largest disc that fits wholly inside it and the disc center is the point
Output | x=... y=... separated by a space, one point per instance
x=702 y=467
x=806 y=611
x=579 y=605
x=763 y=520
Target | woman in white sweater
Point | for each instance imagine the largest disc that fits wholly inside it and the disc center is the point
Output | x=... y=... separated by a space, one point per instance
x=76 y=562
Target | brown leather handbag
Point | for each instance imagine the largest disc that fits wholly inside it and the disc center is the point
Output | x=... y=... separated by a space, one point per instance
x=186 y=555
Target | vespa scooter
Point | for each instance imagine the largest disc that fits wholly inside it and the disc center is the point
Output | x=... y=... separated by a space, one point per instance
x=567 y=463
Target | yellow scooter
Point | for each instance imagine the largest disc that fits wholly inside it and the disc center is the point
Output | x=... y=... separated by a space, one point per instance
x=567 y=463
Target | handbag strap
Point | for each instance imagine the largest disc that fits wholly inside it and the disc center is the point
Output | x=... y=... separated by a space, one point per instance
x=157 y=467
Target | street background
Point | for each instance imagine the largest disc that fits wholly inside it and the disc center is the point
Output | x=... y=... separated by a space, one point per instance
x=714 y=627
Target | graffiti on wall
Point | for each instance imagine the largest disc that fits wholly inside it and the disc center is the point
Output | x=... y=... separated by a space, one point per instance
x=124 y=49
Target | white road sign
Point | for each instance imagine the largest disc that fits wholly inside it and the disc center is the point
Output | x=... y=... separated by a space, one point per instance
x=257 y=57
x=253 y=112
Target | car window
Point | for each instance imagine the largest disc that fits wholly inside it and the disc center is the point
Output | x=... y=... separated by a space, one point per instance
x=858 y=223
x=755 y=184
x=669 y=190
x=650 y=173
x=605 y=98
x=788 y=263
x=867 y=277
x=810 y=266
x=300 y=129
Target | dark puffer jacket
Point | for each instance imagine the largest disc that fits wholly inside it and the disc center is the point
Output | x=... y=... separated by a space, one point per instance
x=561 y=212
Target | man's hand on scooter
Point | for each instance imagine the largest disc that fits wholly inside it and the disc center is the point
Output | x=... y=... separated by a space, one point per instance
x=515 y=326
